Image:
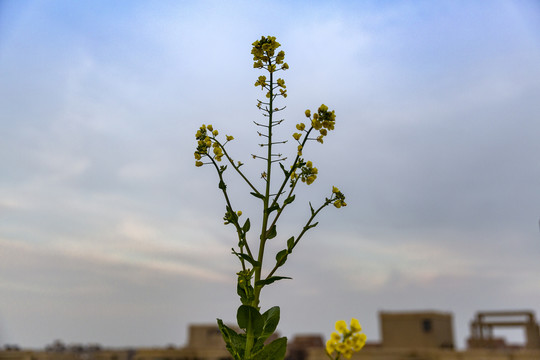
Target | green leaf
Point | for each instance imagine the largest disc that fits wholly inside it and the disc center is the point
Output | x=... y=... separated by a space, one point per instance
x=222 y=185
x=311 y=226
x=249 y=317
x=290 y=243
x=281 y=257
x=274 y=351
x=272 y=208
x=284 y=171
x=270 y=280
x=289 y=200
x=257 y=195
x=235 y=343
x=246 y=257
x=311 y=207
x=272 y=233
x=246 y=226
x=271 y=321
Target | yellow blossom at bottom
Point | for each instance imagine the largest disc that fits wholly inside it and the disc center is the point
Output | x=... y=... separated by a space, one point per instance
x=344 y=341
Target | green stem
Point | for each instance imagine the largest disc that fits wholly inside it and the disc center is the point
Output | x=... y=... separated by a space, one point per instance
x=264 y=229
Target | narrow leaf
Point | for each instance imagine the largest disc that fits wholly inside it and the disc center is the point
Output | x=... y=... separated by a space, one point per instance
x=272 y=233
x=246 y=226
x=272 y=208
x=290 y=243
x=281 y=257
x=284 y=171
x=270 y=280
x=289 y=200
x=246 y=257
x=312 y=226
x=257 y=195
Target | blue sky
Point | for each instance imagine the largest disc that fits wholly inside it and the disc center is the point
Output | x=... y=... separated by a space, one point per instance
x=109 y=234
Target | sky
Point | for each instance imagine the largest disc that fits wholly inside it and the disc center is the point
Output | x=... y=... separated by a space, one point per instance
x=109 y=234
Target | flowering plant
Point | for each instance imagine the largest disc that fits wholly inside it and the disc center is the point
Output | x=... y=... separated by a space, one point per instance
x=274 y=198
x=344 y=341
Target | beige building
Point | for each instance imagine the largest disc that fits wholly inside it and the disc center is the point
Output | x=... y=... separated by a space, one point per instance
x=416 y=330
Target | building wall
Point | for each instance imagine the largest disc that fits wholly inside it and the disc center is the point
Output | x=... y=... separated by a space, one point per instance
x=416 y=330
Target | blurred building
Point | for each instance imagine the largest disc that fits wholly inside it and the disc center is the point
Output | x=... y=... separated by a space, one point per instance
x=416 y=330
x=482 y=335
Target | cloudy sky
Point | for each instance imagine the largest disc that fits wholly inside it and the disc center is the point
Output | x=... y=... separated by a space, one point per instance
x=110 y=234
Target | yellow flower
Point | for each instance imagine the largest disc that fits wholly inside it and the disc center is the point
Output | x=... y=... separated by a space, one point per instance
x=285 y=66
x=239 y=213
x=309 y=164
x=297 y=136
x=341 y=326
x=335 y=189
x=301 y=126
x=215 y=132
x=330 y=346
x=355 y=325
x=198 y=163
x=261 y=81
x=281 y=83
x=308 y=113
x=348 y=342
x=229 y=137
x=197 y=156
x=210 y=128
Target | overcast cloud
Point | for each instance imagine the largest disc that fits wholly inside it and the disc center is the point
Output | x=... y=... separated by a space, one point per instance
x=109 y=234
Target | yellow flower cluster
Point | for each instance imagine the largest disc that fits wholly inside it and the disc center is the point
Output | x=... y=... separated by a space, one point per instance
x=308 y=173
x=323 y=121
x=261 y=81
x=339 y=198
x=264 y=53
x=206 y=139
x=346 y=342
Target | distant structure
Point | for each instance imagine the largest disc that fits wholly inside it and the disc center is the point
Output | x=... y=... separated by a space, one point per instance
x=484 y=323
x=417 y=330
x=299 y=347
